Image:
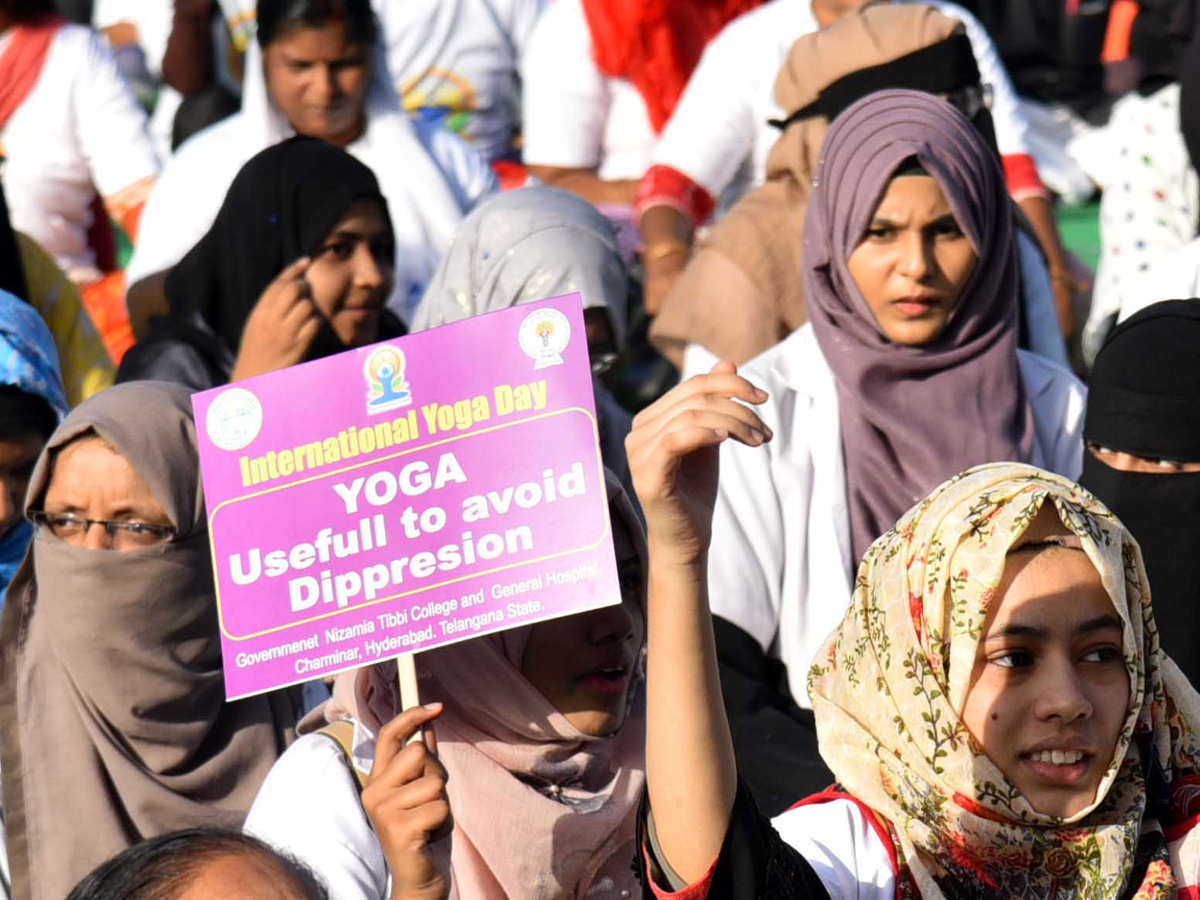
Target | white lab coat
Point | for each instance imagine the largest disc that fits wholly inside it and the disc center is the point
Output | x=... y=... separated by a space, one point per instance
x=780 y=566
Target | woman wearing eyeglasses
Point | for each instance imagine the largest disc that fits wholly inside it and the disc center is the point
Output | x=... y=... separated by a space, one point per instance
x=112 y=700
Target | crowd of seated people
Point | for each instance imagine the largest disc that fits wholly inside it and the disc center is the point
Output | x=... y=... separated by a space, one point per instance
x=900 y=500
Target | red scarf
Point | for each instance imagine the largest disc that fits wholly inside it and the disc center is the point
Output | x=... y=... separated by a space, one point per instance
x=22 y=62
x=656 y=43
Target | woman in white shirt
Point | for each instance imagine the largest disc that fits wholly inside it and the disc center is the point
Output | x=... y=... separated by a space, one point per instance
x=72 y=130
x=907 y=373
x=315 y=70
x=541 y=731
x=995 y=704
x=600 y=81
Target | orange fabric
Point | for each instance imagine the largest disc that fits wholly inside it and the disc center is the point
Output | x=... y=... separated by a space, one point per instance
x=656 y=43
x=22 y=62
x=1120 y=30
x=104 y=301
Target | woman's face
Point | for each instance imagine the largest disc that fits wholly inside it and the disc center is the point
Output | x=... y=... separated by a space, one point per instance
x=913 y=262
x=1131 y=462
x=1050 y=692
x=91 y=480
x=18 y=454
x=584 y=664
x=351 y=273
x=318 y=78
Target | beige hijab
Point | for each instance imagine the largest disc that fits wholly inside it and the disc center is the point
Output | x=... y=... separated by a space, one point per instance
x=541 y=810
x=741 y=293
x=112 y=698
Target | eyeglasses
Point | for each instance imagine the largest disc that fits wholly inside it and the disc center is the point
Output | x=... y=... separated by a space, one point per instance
x=125 y=535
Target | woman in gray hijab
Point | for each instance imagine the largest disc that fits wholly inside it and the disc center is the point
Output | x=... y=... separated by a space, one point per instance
x=112 y=697
x=530 y=244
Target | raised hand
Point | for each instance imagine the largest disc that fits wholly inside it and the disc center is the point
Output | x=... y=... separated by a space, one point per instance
x=673 y=457
x=405 y=799
x=282 y=326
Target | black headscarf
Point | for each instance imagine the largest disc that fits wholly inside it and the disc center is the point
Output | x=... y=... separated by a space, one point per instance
x=1144 y=398
x=281 y=206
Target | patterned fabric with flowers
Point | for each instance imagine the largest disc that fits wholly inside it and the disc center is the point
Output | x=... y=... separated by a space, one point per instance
x=889 y=688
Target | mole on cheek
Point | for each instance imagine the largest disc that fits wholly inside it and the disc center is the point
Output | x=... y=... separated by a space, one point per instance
x=995 y=716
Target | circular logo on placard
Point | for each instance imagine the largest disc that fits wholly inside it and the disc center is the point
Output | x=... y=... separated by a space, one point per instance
x=234 y=419
x=543 y=336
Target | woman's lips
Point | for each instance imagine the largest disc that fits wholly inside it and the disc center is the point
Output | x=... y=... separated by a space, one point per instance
x=915 y=307
x=608 y=683
x=1064 y=774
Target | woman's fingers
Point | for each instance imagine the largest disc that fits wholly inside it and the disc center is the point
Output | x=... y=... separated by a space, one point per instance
x=394 y=735
x=709 y=410
x=724 y=384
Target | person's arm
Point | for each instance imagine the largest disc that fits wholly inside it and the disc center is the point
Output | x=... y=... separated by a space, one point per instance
x=566 y=105
x=1040 y=213
x=111 y=130
x=666 y=242
x=187 y=63
x=673 y=456
x=587 y=184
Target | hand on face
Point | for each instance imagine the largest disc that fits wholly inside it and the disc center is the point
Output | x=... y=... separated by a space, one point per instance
x=913 y=262
x=405 y=799
x=1050 y=690
x=672 y=452
x=282 y=326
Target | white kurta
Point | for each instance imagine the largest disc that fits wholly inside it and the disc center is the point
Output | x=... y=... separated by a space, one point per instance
x=574 y=117
x=79 y=131
x=720 y=124
x=780 y=566
x=429 y=177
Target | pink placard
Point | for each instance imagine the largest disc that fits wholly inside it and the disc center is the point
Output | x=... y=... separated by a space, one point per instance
x=402 y=496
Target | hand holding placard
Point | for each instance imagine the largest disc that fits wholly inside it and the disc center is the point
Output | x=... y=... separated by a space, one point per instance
x=397 y=497
x=405 y=799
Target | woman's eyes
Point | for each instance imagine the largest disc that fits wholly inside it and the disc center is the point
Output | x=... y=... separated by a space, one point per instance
x=1013 y=659
x=1020 y=659
x=342 y=250
x=948 y=228
x=1102 y=655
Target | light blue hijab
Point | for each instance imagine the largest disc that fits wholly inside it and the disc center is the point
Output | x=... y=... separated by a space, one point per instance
x=28 y=361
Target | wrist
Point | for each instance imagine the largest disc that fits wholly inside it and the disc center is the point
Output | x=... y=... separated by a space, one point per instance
x=663 y=253
x=673 y=558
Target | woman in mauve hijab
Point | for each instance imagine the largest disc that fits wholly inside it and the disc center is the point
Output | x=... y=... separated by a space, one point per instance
x=907 y=373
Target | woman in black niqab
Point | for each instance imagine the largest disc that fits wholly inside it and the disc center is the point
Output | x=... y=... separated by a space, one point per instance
x=1143 y=461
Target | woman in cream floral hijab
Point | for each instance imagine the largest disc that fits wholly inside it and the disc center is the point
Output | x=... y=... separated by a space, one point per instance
x=897 y=698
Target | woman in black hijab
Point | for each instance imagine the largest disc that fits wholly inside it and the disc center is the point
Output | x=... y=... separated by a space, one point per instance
x=1143 y=436
x=297 y=266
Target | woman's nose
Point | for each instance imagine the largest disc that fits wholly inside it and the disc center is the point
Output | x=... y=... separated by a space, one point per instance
x=367 y=271
x=1063 y=697
x=915 y=258
x=612 y=623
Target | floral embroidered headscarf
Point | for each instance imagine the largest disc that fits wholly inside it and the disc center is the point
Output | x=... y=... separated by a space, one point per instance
x=889 y=686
